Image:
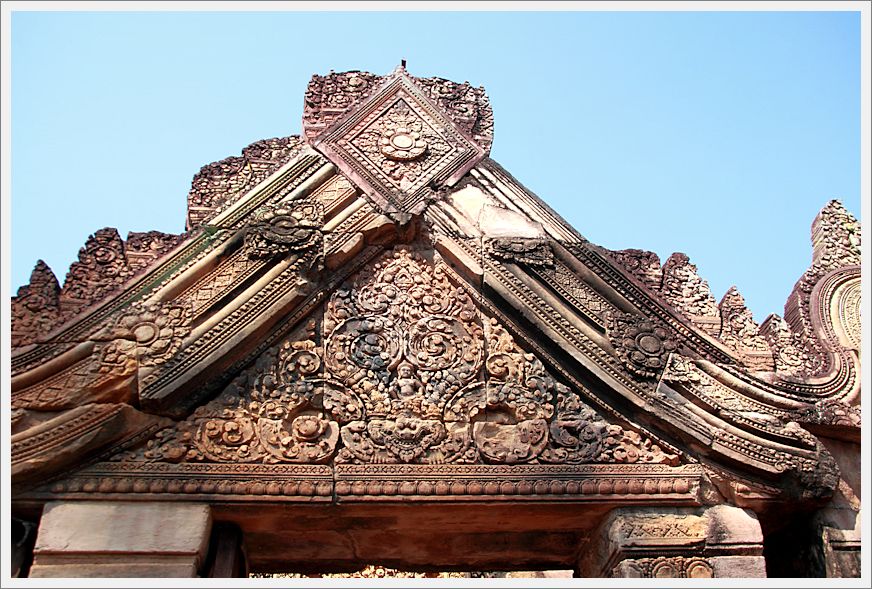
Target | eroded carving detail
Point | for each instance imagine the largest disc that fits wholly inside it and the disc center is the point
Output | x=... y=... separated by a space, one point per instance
x=656 y=526
x=467 y=106
x=686 y=291
x=787 y=348
x=534 y=252
x=101 y=269
x=642 y=264
x=35 y=310
x=329 y=97
x=831 y=413
x=144 y=248
x=740 y=332
x=670 y=567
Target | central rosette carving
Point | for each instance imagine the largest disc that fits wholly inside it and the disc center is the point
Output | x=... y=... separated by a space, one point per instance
x=402 y=144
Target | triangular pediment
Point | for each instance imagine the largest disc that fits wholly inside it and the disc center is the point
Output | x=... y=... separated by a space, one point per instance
x=335 y=331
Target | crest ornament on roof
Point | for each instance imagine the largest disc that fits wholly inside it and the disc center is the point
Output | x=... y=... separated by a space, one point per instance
x=399 y=138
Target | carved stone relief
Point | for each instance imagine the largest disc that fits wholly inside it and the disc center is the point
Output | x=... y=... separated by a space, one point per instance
x=285 y=227
x=220 y=183
x=740 y=332
x=530 y=251
x=686 y=291
x=144 y=248
x=404 y=369
x=105 y=263
x=670 y=567
x=836 y=242
x=102 y=268
x=788 y=351
x=156 y=328
x=35 y=310
x=642 y=264
x=642 y=344
x=329 y=98
x=397 y=145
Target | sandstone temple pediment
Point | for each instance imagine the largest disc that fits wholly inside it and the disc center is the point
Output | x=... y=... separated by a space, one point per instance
x=375 y=312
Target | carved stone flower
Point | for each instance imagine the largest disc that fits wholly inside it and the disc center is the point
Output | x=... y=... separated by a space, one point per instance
x=402 y=144
x=643 y=346
x=157 y=330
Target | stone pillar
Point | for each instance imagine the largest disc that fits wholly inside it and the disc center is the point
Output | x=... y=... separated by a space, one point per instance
x=121 y=539
x=720 y=541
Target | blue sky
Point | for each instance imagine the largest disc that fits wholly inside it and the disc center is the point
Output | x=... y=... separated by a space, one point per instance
x=720 y=135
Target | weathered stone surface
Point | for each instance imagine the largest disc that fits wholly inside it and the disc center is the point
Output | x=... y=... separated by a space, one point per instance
x=66 y=437
x=694 y=539
x=738 y=567
x=140 y=539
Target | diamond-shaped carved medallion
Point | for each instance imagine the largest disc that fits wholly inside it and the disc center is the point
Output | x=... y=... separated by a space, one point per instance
x=399 y=147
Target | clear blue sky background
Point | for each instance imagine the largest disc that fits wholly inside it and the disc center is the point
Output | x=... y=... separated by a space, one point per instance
x=720 y=135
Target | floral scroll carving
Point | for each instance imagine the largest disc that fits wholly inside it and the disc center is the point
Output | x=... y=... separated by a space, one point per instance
x=404 y=369
x=280 y=410
x=402 y=145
